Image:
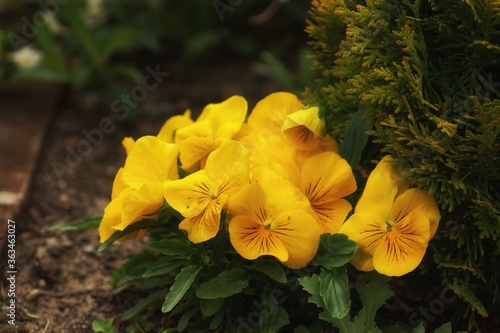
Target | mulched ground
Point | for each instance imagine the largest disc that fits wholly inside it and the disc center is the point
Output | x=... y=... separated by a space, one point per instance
x=63 y=283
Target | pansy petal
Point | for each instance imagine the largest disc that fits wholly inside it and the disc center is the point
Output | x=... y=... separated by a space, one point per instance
x=168 y=129
x=417 y=199
x=228 y=167
x=367 y=230
x=112 y=216
x=118 y=184
x=190 y=195
x=148 y=199
x=300 y=233
x=250 y=202
x=378 y=194
x=326 y=177
x=194 y=150
x=251 y=239
x=332 y=214
x=303 y=128
x=271 y=111
x=205 y=225
x=231 y=111
x=128 y=143
x=150 y=160
x=401 y=249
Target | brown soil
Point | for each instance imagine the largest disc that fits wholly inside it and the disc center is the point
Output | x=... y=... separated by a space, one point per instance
x=63 y=283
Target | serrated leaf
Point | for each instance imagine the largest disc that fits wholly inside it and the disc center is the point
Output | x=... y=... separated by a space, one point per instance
x=155 y=298
x=209 y=307
x=87 y=223
x=170 y=247
x=334 y=289
x=419 y=329
x=311 y=285
x=278 y=321
x=446 y=328
x=334 y=251
x=223 y=285
x=373 y=295
x=182 y=283
x=217 y=319
x=355 y=138
x=163 y=268
x=271 y=269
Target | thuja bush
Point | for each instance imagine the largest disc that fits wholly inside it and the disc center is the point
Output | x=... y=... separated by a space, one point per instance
x=426 y=76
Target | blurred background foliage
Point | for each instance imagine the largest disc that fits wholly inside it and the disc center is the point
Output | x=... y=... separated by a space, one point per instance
x=98 y=45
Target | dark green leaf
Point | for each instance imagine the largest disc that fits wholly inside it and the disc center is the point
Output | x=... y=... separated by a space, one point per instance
x=217 y=319
x=223 y=285
x=144 y=224
x=311 y=285
x=170 y=247
x=86 y=223
x=210 y=306
x=334 y=288
x=163 y=268
x=184 y=320
x=151 y=300
x=334 y=251
x=133 y=269
x=181 y=285
x=446 y=328
x=373 y=295
x=271 y=268
x=272 y=316
x=355 y=138
x=419 y=329
x=301 y=329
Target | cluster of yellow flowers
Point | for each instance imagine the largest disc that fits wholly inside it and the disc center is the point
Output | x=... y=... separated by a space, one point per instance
x=279 y=177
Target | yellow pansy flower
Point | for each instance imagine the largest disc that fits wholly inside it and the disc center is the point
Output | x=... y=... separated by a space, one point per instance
x=217 y=123
x=138 y=186
x=201 y=196
x=392 y=226
x=272 y=218
x=325 y=179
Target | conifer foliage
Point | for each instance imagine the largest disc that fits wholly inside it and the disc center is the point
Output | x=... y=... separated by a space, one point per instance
x=427 y=74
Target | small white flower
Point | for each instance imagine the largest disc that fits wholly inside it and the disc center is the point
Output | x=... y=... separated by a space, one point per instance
x=53 y=23
x=27 y=57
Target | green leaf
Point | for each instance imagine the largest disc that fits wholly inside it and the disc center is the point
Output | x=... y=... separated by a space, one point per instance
x=143 y=224
x=311 y=285
x=211 y=306
x=91 y=222
x=271 y=268
x=53 y=54
x=133 y=269
x=105 y=326
x=334 y=251
x=373 y=295
x=301 y=329
x=278 y=69
x=184 y=319
x=355 y=138
x=152 y=299
x=217 y=319
x=446 y=328
x=163 y=268
x=419 y=329
x=273 y=316
x=182 y=283
x=334 y=289
x=225 y=284
x=170 y=247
